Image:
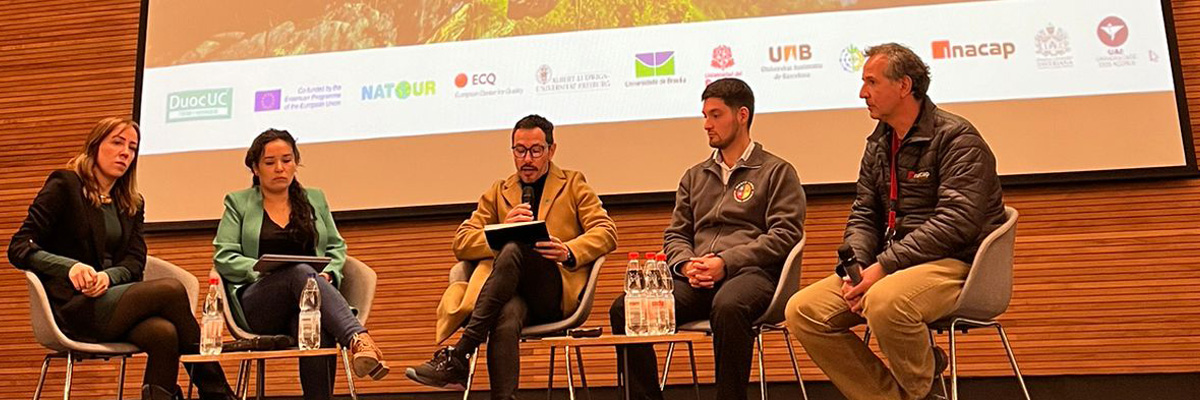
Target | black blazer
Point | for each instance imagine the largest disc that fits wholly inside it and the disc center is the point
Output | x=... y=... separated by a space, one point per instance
x=62 y=221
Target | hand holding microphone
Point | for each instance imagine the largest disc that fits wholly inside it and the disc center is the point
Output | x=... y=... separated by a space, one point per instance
x=522 y=212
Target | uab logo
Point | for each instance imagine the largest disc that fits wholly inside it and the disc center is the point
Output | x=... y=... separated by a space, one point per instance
x=203 y=104
x=399 y=90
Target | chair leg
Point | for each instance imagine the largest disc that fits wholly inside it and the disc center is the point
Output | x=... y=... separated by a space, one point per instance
x=867 y=336
x=471 y=372
x=953 y=362
x=243 y=380
x=587 y=393
x=570 y=377
x=121 y=380
x=349 y=373
x=550 y=379
x=191 y=383
x=762 y=371
x=261 y=388
x=1012 y=359
x=70 y=369
x=667 y=366
x=37 y=393
x=787 y=338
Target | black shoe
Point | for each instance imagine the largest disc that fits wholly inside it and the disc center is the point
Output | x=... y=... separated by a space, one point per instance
x=444 y=371
x=936 y=392
x=155 y=392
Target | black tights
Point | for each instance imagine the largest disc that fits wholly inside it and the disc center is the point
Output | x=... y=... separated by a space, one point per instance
x=156 y=317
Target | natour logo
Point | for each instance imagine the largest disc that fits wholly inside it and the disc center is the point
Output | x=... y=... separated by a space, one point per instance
x=646 y=65
x=943 y=49
x=722 y=57
x=399 y=90
x=852 y=59
x=1113 y=31
x=463 y=80
x=789 y=53
x=193 y=105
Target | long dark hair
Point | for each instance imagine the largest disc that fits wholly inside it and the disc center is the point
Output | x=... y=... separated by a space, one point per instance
x=302 y=225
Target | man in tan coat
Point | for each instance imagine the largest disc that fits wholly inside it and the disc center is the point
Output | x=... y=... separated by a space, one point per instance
x=522 y=284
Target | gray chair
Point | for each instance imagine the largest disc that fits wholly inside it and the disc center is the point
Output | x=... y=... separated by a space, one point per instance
x=461 y=272
x=985 y=295
x=771 y=321
x=358 y=288
x=48 y=334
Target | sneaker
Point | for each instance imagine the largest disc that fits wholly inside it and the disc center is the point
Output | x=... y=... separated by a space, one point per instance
x=444 y=371
x=939 y=367
x=366 y=359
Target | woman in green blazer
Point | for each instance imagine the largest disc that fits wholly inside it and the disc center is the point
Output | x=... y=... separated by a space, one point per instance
x=277 y=215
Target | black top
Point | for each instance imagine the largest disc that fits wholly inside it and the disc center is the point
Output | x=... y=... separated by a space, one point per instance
x=274 y=239
x=63 y=222
x=537 y=185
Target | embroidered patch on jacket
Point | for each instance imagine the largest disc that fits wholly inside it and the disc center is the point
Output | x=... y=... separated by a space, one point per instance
x=918 y=176
x=743 y=191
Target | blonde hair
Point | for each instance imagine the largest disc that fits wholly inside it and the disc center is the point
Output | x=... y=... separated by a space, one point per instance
x=124 y=191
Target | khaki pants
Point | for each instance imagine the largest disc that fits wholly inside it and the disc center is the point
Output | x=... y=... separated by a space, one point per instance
x=896 y=309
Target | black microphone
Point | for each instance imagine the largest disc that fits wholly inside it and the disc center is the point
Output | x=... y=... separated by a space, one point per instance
x=527 y=194
x=848 y=265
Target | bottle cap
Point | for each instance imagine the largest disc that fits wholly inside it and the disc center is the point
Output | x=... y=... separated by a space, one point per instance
x=650 y=255
x=214 y=281
x=633 y=255
x=661 y=257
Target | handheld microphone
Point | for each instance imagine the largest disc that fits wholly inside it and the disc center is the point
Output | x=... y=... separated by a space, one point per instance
x=848 y=266
x=527 y=194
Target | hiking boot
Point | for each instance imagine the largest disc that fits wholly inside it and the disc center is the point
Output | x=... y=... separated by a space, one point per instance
x=444 y=371
x=366 y=359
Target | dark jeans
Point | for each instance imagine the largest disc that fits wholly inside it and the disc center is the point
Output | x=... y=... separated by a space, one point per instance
x=732 y=307
x=524 y=287
x=272 y=307
x=156 y=316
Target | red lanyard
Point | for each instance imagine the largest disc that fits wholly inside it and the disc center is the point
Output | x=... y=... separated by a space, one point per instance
x=893 y=194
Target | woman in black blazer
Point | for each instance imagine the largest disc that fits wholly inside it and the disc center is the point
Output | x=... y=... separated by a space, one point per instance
x=83 y=239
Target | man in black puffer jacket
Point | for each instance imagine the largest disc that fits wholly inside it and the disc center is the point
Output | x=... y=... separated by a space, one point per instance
x=928 y=194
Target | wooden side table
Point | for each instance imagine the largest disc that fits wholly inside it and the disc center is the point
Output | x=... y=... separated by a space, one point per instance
x=262 y=357
x=567 y=343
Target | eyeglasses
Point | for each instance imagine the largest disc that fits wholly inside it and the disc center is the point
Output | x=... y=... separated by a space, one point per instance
x=534 y=152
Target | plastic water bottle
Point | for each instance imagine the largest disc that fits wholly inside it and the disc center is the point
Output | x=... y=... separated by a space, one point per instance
x=309 y=330
x=667 y=292
x=651 y=292
x=635 y=315
x=211 y=322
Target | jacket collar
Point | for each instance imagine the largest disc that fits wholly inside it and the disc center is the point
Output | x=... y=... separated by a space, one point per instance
x=755 y=160
x=555 y=180
x=923 y=128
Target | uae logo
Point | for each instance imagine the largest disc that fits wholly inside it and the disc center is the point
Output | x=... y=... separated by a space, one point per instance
x=1113 y=32
x=743 y=191
x=722 y=57
x=1052 y=42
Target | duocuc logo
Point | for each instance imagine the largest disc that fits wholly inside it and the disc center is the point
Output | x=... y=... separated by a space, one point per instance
x=195 y=105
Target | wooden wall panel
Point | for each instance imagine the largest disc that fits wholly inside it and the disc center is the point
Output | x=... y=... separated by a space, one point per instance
x=1105 y=279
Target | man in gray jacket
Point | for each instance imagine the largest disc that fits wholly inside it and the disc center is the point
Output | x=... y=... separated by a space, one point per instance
x=737 y=216
x=928 y=194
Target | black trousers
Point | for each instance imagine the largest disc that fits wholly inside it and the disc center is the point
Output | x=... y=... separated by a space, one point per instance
x=732 y=307
x=156 y=316
x=524 y=288
x=272 y=307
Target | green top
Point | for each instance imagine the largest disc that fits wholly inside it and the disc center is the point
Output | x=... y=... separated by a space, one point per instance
x=237 y=237
x=55 y=265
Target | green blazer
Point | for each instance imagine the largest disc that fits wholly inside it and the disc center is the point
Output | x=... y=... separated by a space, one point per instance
x=237 y=241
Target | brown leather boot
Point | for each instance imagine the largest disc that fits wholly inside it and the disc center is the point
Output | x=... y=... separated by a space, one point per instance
x=366 y=359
